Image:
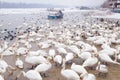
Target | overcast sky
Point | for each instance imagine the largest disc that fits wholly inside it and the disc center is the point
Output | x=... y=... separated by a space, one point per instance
x=62 y=2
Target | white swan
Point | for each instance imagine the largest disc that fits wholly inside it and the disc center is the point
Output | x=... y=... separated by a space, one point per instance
x=62 y=50
x=74 y=49
x=44 y=45
x=88 y=76
x=90 y=62
x=78 y=68
x=89 y=48
x=42 y=53
x=102 y=69
x=32 y=33
x=28 y=45
x=22 y=36
x=69 y=57
x=52 y=53
x=5 y=45
x=100 y=41
x=85 y=55
x=105 y=46
x=31 y=75
x=68 y=73
x=31 y=40
x=1 y=78
x=107 y=51
x=23 y=41
x=21 y=51
x=33 y=60
x=19 y=63
x=58 y=59
x=8 y=52
x=105 y=58
x=5 y=67
x=33 y=53
x=42 y=68
x=51 y=35
x=118 y=57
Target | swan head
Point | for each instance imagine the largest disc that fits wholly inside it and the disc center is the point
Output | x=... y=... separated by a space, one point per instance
x=99 y=63
x=83 y=74
x=73 y=64
x=50 y=59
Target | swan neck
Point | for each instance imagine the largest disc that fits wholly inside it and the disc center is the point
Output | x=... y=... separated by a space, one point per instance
x=63 y=65
x=23 y=73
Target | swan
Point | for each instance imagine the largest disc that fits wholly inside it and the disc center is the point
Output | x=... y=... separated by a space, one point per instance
x=78 y=68
x=5 y=45
x=58 y=59
x=38 y=39
x=21 y=51
x=52 y=53
x=62 y=50
x=100 y=41
x=77 y=38
x=85 y=55
x=69 y=57
x=91 y=39
x=33 y=53
x=5 y=67
x=79 y=43
x=22 y=41
x=8 y=52
x=102 y=69
x=31 y=40
x=32 y=33
x=69 y=42
x=35 y=60
x=105 y=46
x=105 y=58
x=88 y=76
x=89 y=48
x=118 y=41
x=42 y=68
x=31 y=75
x=44 y=45
x=51 y=35
x=23 y=36
x=90 y=62
x=1 y=78
x=118 y=57
x=68 y=73
x=74 y=49
x=57 y=44
x=42 y=53
x=109 y=52
x=19 y=63
x=28 y=45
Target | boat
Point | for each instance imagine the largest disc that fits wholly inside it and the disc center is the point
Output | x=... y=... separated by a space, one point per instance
x=55 y=15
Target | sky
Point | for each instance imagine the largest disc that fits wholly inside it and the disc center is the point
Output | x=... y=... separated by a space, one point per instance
x=62 y=2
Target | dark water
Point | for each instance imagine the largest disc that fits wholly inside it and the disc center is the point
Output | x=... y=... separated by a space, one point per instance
x=11 y=21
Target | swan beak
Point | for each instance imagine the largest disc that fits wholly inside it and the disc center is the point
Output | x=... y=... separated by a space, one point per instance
x=81 y=78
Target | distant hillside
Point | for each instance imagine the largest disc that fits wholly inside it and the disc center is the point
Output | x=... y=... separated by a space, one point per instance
x=24 y=5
